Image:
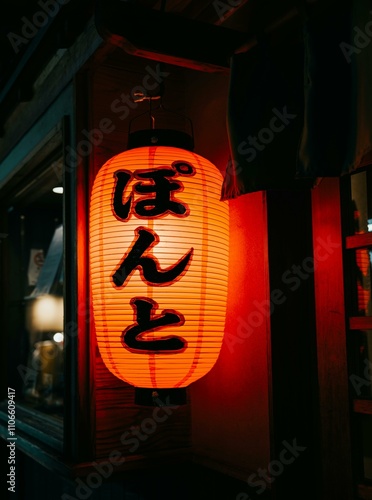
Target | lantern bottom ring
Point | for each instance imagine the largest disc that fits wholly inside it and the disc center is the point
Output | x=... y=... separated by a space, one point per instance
x=160 y=397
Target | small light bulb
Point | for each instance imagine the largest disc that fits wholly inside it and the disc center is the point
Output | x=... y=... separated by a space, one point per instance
x=58 y=190
x=58 y=337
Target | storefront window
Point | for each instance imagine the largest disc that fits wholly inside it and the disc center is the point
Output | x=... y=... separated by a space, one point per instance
x=361 y=214
x=33 y=277
x=362 y=364
x=362 y=205
x=362 y=282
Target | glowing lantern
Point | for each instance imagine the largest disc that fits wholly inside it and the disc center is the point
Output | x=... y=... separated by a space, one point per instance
x=158 y=265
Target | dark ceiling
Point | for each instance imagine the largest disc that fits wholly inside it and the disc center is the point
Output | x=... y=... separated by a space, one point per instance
x=11 y=23
x=17 y=19
x=22 y=21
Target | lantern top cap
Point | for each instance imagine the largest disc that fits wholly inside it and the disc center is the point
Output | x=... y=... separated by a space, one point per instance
x=160 y=137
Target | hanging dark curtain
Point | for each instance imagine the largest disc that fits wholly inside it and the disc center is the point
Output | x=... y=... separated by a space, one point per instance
x=264 y=118
x=320 y=91
x=338 y=90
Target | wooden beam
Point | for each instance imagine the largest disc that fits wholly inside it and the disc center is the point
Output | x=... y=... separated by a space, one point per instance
x=213 y=12
x=331 y=344
x=360 y=323
x=359 y=241
x=166 y=36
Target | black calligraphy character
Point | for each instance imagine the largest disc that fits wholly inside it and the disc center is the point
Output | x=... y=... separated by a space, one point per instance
x=121 y=209
x=144 y=311
x=139 y=256
x=163 y=202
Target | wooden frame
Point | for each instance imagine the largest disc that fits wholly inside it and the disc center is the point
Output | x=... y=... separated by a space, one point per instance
x=331 y=339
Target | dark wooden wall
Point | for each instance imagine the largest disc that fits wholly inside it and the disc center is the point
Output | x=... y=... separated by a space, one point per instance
x=331 y=342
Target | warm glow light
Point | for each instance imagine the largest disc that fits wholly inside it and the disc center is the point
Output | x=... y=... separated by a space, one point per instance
x=47 y=313
x=160 y=315
x=58 y=190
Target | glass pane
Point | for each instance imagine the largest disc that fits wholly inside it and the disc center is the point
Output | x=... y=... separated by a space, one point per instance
x=34 y=308
x=366 y=435
x=361 y=376
x=361 y=276
x=361 y=202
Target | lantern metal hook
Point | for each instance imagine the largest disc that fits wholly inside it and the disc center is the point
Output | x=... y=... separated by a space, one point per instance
x=141 y=97
x=153 y=114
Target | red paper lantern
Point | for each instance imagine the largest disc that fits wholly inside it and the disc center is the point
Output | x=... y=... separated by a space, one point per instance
x=158 y=265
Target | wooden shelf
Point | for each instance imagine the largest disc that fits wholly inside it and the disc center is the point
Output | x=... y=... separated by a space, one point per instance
x=360 y=323
x=363 y=406
x=359 y=241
